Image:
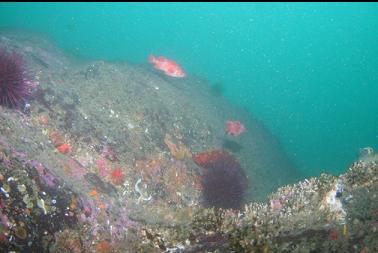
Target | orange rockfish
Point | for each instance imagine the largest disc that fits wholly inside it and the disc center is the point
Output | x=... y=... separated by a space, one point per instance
x=169 y=67
x=234 y=128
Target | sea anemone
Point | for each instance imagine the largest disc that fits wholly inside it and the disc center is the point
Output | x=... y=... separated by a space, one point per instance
x=224 y=182
x=15 y=83
x=65 y=148
x=117 y=177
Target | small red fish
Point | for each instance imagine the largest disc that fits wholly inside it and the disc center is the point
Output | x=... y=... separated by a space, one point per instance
x=234 y=128
x=169 y=67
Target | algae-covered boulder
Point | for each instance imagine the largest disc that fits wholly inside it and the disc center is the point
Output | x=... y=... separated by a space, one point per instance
x=105 y=157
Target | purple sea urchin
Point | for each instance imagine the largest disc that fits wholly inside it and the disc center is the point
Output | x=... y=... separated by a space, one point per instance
x=14 y=79
x=224 y=182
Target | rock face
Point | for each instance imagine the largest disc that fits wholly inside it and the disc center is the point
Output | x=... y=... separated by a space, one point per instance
x=128 y=183
x=40 y=213
x=131 y=109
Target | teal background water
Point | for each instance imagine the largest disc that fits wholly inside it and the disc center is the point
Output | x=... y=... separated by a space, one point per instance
x=308 y=71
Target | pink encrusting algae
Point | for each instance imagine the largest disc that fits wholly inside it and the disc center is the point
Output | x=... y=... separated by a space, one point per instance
x=103 y=167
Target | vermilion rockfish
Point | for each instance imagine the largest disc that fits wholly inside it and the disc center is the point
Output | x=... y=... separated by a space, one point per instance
x=169 y=67
x=234 y=128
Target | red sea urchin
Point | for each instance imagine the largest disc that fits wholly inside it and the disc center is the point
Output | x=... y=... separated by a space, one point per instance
x=14 y=79
x=224 y=182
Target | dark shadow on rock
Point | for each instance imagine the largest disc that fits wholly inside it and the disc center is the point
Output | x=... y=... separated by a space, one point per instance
x=231 y=145
x=217 y=89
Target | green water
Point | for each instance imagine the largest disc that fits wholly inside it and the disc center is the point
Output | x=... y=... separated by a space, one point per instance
x=309 y=72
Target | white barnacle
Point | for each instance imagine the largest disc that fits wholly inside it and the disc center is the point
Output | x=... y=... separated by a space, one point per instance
x=10 y=179
x=5 y=192
x=125 y=187
x=130 y=126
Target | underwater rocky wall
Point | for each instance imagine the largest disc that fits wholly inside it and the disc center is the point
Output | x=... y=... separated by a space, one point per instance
x=106 y=157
